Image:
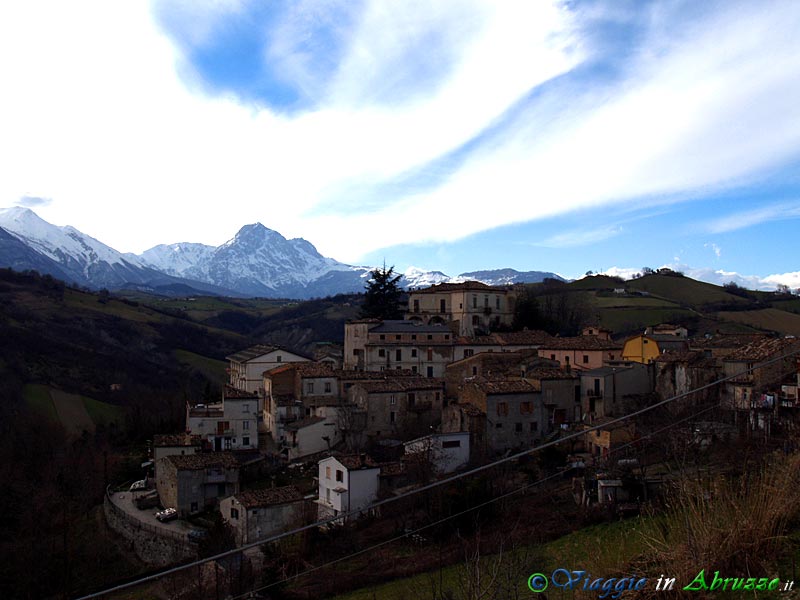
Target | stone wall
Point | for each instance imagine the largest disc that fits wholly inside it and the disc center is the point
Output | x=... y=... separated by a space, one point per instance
x=153 y=546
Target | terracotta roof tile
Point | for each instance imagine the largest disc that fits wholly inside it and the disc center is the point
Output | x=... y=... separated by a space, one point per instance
x=268 y=497
x=207 y=460
x=162 y=440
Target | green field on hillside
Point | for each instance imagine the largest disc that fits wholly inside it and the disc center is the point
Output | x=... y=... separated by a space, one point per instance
x=73 y=411
x=683 y=290
x=38 y=399
x=213 y=369
x=770 y=319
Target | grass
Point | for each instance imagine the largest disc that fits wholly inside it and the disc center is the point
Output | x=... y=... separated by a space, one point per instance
x=600 y=549
x=102 y=412
x=683 y=290
x=38 y=398
x=632 y=302
x=211 y=368
x=621 y=320
x=771 y=319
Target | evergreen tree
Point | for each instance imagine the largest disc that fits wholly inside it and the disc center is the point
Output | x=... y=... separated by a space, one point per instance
x=382 y=297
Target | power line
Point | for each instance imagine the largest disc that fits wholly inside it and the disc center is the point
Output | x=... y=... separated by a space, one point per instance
x=479 y=469
x=465 y=511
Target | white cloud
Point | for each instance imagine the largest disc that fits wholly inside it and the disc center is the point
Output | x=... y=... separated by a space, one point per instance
x=579 y=237
x=756 y=216
x=719 y=276
x=95 y=116
x=717 y=250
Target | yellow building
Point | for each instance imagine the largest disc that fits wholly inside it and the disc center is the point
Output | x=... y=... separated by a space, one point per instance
x=640 y=348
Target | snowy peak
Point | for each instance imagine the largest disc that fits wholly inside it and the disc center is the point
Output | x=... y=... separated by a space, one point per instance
x=180 y=260
x=414 y=277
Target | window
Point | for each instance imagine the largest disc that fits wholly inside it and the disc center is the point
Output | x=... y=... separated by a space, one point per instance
x=220 y=489
x=382 y=337
x=310 y=387
x=398 y=354
x=245 y=408
x=475 y=321
x=246 y=425
x=497 y=302
x=397 y=337
x=391 y=417
x=413 y=336
x=502 y=409
x=413 y=353
x=499 y=426
x=534 y=426
x=355 y=351
x=486 y=302
x=430 y=353
x=552 y=357
x=518 y=427
x=416 y=306
x=328 y=494
x=525 y=408
x=234 y=513
x=279 y=358
x=430 y=371
x=245 y=441
x=381 y=352
x=438 y=396
x=474 y=371
x=585 y=359
x=442 y=306
x=566 y=359
x=414 y=369
x=447 y=336
x=451 y=444
x=327 y=472
x=430 y=337
x=339 y=475
x=468 y=352
x=193 y=507
x=412 y=399
x=474 y=302
x=392 y=400
x=327 y=387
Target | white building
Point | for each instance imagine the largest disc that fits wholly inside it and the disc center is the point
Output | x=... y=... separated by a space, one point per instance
x=346 y=483
x=229 y=425
x=447 y=452
x=246 y=367
x=312 y=435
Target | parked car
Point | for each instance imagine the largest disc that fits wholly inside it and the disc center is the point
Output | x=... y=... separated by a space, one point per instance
x=167 y=514
x=138 y=485
x=147 y=500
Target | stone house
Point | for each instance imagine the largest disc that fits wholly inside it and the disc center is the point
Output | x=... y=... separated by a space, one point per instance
x=515 y=416
x=258 y=514
x=175 y=444
x=311 y=435
x=603 y=441
x=464 y=417
x=246 y=366
x=680 y=372
x=374 y=345
x=346 y=483
x=738 y=393
x=608 y=391
x=471 y=307
x=399 y=406
x=191 y=483
x=492 y=365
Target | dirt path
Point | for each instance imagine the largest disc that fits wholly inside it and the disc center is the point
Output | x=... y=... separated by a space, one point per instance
x=71 y=412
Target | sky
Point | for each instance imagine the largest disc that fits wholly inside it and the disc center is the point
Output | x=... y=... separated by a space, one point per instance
x=451 y=135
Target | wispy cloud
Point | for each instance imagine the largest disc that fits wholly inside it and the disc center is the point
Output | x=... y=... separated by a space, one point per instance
x=578 y=237
x=717 y=250
x=33 y=201
x=756 y=216
x=547 y=117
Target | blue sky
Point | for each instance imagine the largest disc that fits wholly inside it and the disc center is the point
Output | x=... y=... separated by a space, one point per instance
x=454 y=135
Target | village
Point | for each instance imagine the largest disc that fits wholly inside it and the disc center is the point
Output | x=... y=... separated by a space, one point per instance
x=446 y=388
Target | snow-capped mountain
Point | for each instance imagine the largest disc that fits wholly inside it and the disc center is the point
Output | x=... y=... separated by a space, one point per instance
x=414 y=277
x=257 y=261
x=69 y=254
x=180 y=260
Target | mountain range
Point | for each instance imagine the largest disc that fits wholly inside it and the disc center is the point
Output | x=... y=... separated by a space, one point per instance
x=257 y=261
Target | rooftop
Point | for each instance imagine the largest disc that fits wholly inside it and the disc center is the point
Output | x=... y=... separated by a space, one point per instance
x=269 y=497
x=206 y=460
x=458 y=287
x=470 y=409
x=405 y=326
x=259 y=350
x=505 y=386
x=763 y=349
x=163 y=440
x=402 y=384
x=354 y=462
x=304 y=369
x=581 y=342
x=232 y=393
x=306 y=422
